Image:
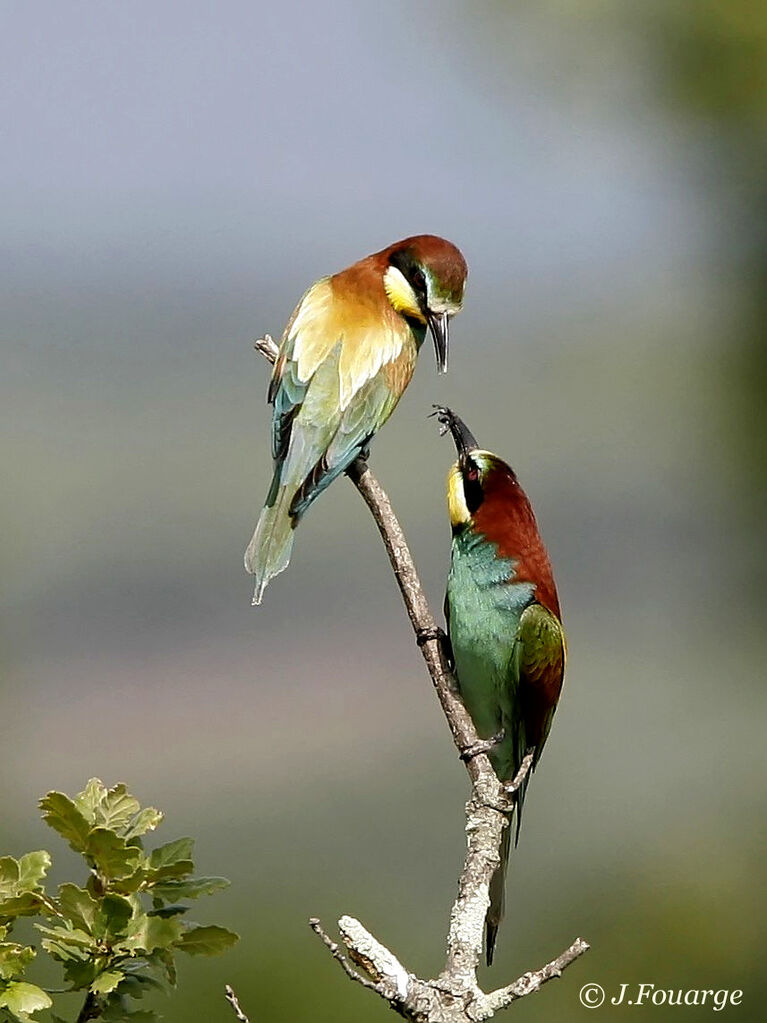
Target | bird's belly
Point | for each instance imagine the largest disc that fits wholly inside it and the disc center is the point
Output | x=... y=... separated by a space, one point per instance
x=482 y=640
x=484 y=621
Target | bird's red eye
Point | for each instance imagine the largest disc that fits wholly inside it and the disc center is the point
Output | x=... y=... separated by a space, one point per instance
x=472 y=472
x=419 y=281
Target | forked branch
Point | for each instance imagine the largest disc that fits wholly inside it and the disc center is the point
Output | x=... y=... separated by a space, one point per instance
x=454 y=996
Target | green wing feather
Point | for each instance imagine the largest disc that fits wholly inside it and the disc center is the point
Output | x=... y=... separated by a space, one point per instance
x=536 y=671
x=541 y=666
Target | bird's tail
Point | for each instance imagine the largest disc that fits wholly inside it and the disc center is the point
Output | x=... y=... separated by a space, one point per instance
x=269 y=551
x=497 y=897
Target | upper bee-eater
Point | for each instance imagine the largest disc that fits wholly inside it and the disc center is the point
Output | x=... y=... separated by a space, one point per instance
x=347 y=355
x=503 y=621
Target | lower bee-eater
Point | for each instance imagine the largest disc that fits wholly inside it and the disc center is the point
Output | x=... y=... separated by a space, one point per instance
x=346 y=357
x=503 y=621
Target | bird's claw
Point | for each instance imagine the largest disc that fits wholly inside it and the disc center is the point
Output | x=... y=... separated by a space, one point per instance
x=483 y=746
x=424 y=636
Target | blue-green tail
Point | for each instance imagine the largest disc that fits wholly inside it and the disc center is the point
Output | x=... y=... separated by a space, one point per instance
x=269 y=551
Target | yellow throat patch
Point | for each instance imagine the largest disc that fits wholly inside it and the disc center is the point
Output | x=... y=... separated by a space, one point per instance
x=401 y=295
x=456 y=502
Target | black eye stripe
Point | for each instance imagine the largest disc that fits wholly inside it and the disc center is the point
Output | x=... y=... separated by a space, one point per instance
x=472 y=488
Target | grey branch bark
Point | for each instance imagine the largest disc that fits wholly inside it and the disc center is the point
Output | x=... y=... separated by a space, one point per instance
x=454 y=996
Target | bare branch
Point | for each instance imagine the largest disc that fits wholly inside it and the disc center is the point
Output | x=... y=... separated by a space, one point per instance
x=454 y=997
x=530 y=982
x=268 y=347
x=337 y=954
x=231 y=997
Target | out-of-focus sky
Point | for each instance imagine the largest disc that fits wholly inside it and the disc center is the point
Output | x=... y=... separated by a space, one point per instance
x=174 y=175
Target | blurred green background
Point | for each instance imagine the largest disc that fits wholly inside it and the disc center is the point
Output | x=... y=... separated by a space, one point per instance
x=173 y=176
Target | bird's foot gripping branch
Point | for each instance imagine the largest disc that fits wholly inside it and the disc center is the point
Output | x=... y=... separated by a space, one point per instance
x=454 y=996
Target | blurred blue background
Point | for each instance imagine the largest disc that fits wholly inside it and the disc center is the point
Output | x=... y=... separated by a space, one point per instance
x=173 y=176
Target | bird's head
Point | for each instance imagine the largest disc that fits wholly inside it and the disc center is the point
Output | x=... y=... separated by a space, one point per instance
x=484 y=499
x=474 y=475
x=424 y=280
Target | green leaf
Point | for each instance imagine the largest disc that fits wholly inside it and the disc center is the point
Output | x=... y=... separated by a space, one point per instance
x=60 y=813
x=88 y=801
x=9 y=877
x=27 y=904
x=110 y=854
x=147 y=978
x=106 y=982
x=23 y=998
x=164 y=957
x=192 y=888
x=114 y=809
x=33 y=867
x=117 y=809
x=66 y=944
x=80 y=973
x=206 y=941
x=117 y=1013
x=147 y=820
x=148 y=969
x=112 y=917
x=181 y=849
x=168 y=911
x=69 y=935
x=170 y=872
x=14 y=959
x=78 y=906
x=135 y=881
x=148 y=933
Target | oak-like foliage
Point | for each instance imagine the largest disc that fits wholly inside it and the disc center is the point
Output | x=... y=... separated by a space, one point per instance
x=116 y=936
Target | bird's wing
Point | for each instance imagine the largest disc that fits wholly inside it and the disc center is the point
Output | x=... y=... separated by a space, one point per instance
x=341 y=369
x=328 y=439
x=536 y=671
x=540 y=658
x=304 y=346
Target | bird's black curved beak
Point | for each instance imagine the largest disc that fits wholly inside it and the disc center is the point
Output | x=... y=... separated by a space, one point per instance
x=438 y=327
x=462 y=435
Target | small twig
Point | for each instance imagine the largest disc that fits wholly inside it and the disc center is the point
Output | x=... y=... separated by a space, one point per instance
x=532 y=981
x=428 y=636
x=335 y=950
x=267 y=347
x=231 y=997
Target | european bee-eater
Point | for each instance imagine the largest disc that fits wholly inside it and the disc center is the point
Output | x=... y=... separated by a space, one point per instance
x=347 y=355
x=503 y=621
